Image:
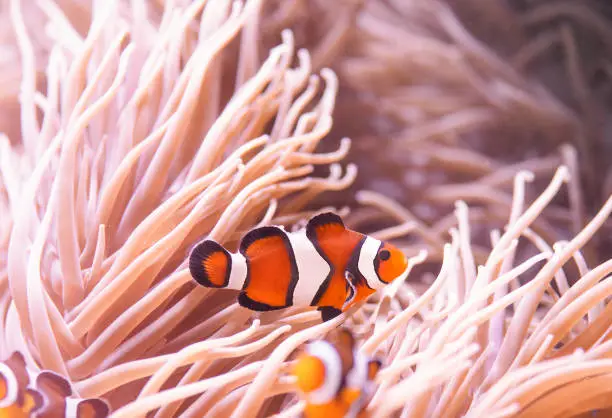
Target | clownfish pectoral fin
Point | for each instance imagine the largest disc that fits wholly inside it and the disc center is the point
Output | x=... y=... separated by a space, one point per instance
x=245 y=301
x=254 y=236
x=374 y=366
x=210 y=264
x=328 y=312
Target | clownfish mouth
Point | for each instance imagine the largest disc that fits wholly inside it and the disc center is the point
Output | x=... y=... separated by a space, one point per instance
x=401 y=277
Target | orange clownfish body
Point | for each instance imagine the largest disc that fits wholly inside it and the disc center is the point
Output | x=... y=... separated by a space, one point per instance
x=324 y=265
x=334 y=379
x=16 y=400
x=25 y=394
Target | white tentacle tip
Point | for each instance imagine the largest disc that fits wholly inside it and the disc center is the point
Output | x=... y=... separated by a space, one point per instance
x=564 y=173
x=526 y=176
x=421 y=256
x=287 y=37
x=460 y=205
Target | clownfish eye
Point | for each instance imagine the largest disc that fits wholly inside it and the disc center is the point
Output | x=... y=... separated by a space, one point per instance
x=384 y=255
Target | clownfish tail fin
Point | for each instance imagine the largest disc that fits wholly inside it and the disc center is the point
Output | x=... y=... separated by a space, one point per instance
x=210 y=264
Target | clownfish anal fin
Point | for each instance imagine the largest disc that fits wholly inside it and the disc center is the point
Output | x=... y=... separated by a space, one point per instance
x=325 y=219
x=374 y=366
x=210 y=264
x=253 y=305
x=328 y=312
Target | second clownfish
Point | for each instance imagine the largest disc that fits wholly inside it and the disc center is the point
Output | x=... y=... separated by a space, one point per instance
x=334 y=378
x=16 y=399
x=324 y=265
x=24 y=394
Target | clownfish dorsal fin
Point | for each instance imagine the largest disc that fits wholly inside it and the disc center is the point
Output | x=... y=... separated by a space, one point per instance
x=328 y=221
x=210 y=264
x=18 y=358
x=13 y=379
x=48 y=381
x=257 y=234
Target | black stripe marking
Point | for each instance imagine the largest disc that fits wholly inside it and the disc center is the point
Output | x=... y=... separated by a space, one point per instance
x=196 y=263
x=53 y=381
x=265 y=232
x=377 y=262
x=253 y=305
x=353 y=265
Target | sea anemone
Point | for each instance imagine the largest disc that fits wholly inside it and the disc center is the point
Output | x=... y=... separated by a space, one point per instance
x=145 y=127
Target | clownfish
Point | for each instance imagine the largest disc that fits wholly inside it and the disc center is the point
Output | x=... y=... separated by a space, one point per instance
x=24 y=393
x=58 y=401
x=324 y=265
x=16 y=399
x=334 y=379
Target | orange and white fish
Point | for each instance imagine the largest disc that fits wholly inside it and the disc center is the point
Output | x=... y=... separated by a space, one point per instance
x=334 y=379
x=16 y=399
x=59 y=401
x=25 y=393
x=324 y=265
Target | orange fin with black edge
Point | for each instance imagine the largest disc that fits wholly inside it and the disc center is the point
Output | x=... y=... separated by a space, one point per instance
x=210 y=264
x=328 y=221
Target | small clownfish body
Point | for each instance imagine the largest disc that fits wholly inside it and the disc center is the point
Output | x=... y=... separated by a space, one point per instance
x=57 y=394
x=324 y=265
x=24 y=393
x=334 y=379
x=16 y=400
